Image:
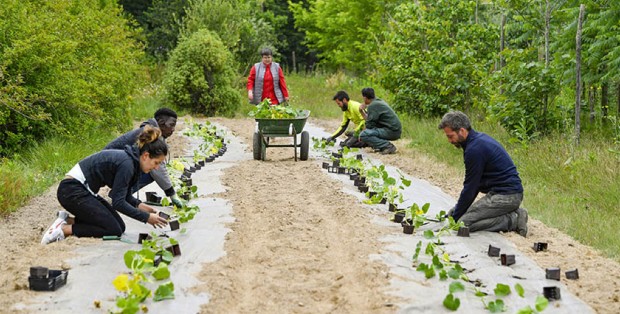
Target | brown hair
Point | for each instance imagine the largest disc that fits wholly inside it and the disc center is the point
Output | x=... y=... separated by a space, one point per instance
x=150 y=141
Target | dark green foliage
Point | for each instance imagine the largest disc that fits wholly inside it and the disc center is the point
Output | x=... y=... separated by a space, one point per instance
x=200 y=76
x=162 y=26
x=436 y=57
x=65 y=66
x=519 y=103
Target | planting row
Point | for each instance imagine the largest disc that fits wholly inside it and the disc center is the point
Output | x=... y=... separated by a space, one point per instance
x=150 y=263
x=381 y=188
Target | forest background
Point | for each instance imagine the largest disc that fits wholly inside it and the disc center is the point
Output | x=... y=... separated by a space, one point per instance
x=74 y=74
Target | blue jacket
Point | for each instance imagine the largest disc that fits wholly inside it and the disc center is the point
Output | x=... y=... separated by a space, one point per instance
x=119 y=170
x=488 y=168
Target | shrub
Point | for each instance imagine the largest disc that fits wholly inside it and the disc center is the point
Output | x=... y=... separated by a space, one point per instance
x=200 y=76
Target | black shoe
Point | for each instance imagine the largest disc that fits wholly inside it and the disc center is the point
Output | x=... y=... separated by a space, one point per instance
x=522 y=222
x=390 y=149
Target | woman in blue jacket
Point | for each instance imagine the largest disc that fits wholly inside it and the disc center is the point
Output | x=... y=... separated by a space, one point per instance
x=117 y=169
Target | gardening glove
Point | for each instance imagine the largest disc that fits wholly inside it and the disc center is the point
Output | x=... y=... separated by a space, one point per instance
x=177 y=201
x=349 y=133
x=329 y=139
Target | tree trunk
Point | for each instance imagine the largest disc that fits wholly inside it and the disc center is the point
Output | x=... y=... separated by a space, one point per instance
x=582 y=9
x=591 y=100
x=294 y=63
x=604 y=100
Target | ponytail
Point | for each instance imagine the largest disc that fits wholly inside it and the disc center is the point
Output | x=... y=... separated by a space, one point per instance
x=150 y=141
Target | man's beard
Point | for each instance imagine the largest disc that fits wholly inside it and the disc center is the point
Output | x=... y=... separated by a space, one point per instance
x=460 y=141
x=344 y=107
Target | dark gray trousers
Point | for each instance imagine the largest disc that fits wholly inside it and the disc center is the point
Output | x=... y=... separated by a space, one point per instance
x=493 y=212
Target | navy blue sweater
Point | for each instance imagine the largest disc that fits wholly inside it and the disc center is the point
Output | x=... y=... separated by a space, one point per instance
x=488 y=168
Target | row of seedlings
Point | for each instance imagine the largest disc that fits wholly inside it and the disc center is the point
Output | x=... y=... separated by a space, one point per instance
x=150 y=263
x=381 y=188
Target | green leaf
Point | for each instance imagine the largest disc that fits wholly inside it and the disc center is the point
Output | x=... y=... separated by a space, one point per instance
x=502 y=290
x=519 y=290
x=443 y=275
x=164 y=291
x=525 y=310
x=437 y=263
x=497 y=306
x=456 y=286
x=161 y=272
x=418 y=247
x=541 y=303
x=429 y=234
x=451 y=303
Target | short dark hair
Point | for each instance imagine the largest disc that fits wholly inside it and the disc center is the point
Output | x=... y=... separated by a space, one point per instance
x=455 y=120
x=340 y=95
x=368 y=92
x=266 y=52
x=165 y=112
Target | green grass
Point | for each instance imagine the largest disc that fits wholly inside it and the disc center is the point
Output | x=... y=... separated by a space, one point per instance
x=574 y=189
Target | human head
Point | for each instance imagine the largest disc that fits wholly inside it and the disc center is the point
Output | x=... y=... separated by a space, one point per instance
x=153 y=149
x=342 y=100
x=368 y=94
x=167 y=121
x=267 y=55
x=456 y=125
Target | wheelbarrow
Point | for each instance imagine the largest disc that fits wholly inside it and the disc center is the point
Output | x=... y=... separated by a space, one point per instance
x=272 y=128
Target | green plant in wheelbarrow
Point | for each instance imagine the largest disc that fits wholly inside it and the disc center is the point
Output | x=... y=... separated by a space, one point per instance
x=264 y=110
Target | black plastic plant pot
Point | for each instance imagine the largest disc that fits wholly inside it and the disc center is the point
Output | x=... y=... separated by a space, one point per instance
x=493 y=251
x=392 y=207
x=407 y=229
x=552 y=273
x=164 y=215
x=186 y=173
x=359 y=157
x=197 y=166
x=463 y=232
x=174 y=225
x=157 y=260
x=572 y=274
x=210 y=159
x=371 y=194
x=342 y=170
x=383 y=201
x=201 y=163
x=362 y=179
x=143 y=236
x=356 y=182
x=188 y=182
x=398 y=217
x=51 y=282
x=192 y=169
x=336 y=163
x=325 y=165
x=552 y=293
x=507 y=260
x=174 y=249
x=353 y=176
x=186 y=196
x=38 y=272
x=332 y=169
x=362 y=188
x=337 y=155
x=540 y=246
x=152 y=197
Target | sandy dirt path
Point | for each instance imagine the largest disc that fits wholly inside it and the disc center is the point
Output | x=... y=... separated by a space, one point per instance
x=299 y=244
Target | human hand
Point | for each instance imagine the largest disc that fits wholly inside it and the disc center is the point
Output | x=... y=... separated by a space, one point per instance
x=157 y=221
x=146 y=208
x=250 y=95
x=450 y=212
x=177 y=201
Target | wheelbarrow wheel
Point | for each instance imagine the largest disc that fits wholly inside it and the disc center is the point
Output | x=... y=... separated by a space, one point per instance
x=257 y=146
x=305 y=143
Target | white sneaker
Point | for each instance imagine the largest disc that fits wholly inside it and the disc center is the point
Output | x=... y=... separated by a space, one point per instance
x=63 y=215
x=54 y=232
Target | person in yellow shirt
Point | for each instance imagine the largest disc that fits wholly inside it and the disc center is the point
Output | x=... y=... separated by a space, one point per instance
x=350 y=113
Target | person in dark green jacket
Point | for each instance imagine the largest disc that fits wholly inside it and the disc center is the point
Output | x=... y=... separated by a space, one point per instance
x=382 y=123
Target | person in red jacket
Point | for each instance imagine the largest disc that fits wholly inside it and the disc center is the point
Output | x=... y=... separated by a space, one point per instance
x=266 y=80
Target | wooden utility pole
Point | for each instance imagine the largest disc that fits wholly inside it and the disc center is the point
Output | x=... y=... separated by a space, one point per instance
x=578 y=75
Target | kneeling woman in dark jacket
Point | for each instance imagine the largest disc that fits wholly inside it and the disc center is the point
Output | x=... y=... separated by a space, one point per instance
x=117 y=169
